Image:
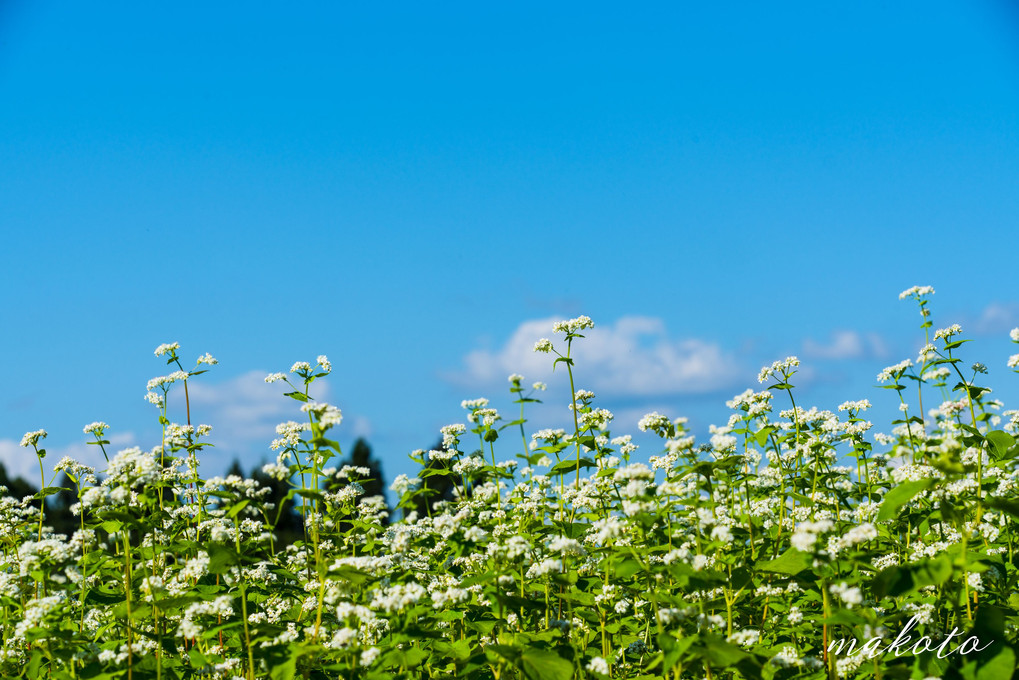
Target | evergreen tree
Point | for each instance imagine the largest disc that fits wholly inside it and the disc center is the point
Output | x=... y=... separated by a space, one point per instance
x=290 y=526
x=18 y=487
x=435 y=487
x=361 y=456
x=235 y=469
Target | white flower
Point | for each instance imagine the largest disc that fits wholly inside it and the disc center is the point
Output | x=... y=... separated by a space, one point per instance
x=300 y=366
x=543 y=345
x=451 y=434
x=861 y=405
x=290 y=434
x=653 y=421
x=167 y=347
x=323 y=361
x=745 y=638
x=851 y=596
x=276 y=471
x=97 y=428
x=545 y=567
x=164 y=380
x=946 y=333
x=403 y=483
x=893 y=371
x=916 y=291
x=573 y=325
x=208 y=359
x=598 y=665
x=275 y=377
x=777 y=367
x=32 y=438
x=327 y=414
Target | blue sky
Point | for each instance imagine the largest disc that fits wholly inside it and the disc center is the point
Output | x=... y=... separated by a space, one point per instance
x=417 y=191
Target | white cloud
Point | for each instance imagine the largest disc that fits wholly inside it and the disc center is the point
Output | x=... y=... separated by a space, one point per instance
x=998 y=317
x=845 y=344
x=245 y=410
x=633 y=357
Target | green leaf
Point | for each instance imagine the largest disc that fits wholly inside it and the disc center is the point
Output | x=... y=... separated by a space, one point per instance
x=900 y=495
x=762 y=435
x=1001 y=666
x=299 y=396
x=571 y=465
x=627 y=568
x=198 y=660
x=407 y=658
x=286 y=669
x=672 y=650
x=237 y=508
x=221 y=558
x=459 y=651
x=902 y=579
x=1002 y=441
x=49 y=491
x=542 y=664
x=790 y=562
x=723 y=653
x=1005 y=505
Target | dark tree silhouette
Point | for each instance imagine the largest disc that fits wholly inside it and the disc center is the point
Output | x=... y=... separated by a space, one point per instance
x=235 y=469
x=290 y=526
x=361 y=456
x=434 y=487
x=18 y=487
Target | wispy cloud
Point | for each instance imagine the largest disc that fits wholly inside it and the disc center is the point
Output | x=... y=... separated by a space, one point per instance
x=245 y=410
x=634 y=357
x=997 y=317
x=846 y=344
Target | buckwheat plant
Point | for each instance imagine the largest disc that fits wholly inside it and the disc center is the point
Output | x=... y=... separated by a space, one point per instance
x=793 y=543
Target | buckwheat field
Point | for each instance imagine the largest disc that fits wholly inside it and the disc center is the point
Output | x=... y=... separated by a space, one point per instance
x=795 y=543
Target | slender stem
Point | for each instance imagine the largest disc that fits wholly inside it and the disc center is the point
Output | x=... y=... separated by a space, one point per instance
x=573 y=397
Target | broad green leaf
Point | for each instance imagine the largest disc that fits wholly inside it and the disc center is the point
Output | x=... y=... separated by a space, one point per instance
x=790 y=562
x=902 y=579
x=1002 y=665
x=237 y=508
x=1002 y=441
x=542 y=664
x=900 y=495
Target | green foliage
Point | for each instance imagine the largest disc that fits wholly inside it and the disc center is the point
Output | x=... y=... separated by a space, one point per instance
x=762 y=554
